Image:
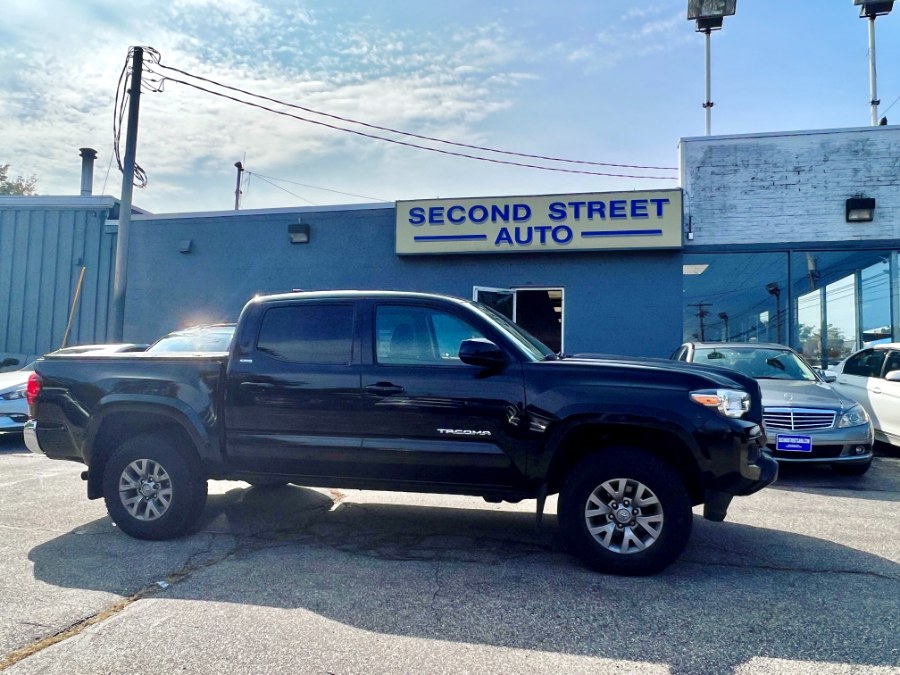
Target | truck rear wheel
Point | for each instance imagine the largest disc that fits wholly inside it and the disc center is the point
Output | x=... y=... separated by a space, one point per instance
x=625 y=512
x=152 y=490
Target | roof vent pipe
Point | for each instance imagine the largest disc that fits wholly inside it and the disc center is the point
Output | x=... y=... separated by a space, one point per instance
x=88 y=155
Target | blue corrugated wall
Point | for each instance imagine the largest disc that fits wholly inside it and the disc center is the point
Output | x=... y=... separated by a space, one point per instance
x=42 y=251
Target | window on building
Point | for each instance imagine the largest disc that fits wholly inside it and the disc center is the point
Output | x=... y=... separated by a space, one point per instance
x=308 y=333
x=736 y=297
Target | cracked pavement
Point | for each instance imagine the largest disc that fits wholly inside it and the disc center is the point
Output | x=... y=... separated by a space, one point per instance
x=803 y=577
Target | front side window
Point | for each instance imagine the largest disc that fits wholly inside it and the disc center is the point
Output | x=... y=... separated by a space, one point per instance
x=865 y=364
x=309 y=333
x=893 y=362
x=406 y=335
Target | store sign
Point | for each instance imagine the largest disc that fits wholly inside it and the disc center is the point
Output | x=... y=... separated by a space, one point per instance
x=596 y=221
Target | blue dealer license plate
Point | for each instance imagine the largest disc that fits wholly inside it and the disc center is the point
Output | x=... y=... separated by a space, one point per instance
x=791 y=443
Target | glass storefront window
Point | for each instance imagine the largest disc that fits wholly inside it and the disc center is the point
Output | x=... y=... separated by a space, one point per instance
x=875 y=303
x=842 y=302
x=825 y=304
x=840 y=319
x=736 y=297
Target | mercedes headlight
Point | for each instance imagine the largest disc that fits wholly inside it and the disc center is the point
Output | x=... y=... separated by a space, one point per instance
x=854 y=417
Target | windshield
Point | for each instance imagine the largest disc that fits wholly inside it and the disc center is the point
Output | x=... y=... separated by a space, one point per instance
x=760 y=363
x=532 y=346
x=213 y=339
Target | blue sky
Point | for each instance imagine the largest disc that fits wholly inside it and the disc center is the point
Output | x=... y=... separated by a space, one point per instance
x=598 y=80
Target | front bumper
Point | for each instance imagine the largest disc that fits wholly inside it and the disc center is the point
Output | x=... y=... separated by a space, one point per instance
x=829 y=446
x=29 y=434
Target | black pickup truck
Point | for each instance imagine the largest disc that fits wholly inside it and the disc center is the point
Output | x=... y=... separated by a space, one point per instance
x=409 y=392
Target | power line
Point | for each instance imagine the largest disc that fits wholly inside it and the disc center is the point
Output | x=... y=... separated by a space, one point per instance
x=315 y=187
x=407 y=144
x=303 y=199
x=433 y=139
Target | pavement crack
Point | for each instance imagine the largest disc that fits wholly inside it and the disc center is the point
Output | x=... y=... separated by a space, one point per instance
x=802 y=570
x=74 y=629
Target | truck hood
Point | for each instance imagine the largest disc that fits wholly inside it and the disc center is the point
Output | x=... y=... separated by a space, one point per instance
x=714 y=375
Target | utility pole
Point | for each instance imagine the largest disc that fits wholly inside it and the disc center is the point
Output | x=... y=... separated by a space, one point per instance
x=702 y=314
x=237 y=187
x=116 y=327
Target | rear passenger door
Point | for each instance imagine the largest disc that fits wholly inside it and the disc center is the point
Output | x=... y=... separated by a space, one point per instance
x=293 y=391
x=431 y=418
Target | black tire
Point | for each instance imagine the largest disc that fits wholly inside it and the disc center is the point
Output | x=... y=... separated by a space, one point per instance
x=661 y=529
x=173 y=480
x=852 y=468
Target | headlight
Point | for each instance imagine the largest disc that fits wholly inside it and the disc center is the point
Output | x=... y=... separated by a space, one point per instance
x=729 y=402
x=854 y=417
x=14 y=394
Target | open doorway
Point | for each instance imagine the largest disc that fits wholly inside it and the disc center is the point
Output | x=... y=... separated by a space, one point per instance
x=537 y=310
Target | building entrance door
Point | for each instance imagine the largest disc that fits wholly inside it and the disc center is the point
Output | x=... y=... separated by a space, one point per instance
x=537 y=310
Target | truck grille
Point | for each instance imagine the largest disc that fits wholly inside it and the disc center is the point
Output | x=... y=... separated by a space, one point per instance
x=798 y=419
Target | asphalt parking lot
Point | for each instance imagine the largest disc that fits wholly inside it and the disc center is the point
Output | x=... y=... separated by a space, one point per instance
x=803 y=577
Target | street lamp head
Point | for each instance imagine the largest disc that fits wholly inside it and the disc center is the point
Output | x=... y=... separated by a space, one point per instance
x=709 y=13
x=773 y=289
x=869 y=9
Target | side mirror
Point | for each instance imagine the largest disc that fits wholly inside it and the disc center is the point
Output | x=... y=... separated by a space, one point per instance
x=829 y=376
x=893 y=376
x=6 y=363
x=483 y=353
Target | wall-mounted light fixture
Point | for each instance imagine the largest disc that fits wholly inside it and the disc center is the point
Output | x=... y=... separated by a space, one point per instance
x=860 y=209
x=185 y=245
x=298 y=232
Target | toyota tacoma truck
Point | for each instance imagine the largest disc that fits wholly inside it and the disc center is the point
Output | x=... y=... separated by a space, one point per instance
x=409 y=392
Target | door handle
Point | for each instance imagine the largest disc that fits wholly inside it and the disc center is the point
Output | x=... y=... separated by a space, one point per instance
x=256 y=386
x=876 y=390
x=384 y=389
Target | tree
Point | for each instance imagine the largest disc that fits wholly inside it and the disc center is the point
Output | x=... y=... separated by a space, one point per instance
x=19 y=186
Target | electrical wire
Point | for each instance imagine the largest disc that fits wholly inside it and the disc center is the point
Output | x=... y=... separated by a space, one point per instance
x=315 y=187
x=304 y=199
x=407 y=144
x=432 y=139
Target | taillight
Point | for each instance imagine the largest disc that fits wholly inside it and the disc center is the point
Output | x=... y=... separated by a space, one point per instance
x=34 y=388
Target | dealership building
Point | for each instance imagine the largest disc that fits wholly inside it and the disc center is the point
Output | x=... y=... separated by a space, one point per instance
x=782 y=237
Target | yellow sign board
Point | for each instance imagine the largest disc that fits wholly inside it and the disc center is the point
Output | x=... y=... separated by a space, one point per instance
x=595 y=221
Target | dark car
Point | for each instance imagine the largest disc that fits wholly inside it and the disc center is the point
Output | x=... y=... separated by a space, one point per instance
x=806 y=419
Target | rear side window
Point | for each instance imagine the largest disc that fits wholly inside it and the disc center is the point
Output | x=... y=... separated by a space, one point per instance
x=865 y=364
x=310 y=333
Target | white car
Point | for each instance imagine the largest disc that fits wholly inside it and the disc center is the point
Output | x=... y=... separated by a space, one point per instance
x=14 y=384
x=872 y=377
x=13 y=406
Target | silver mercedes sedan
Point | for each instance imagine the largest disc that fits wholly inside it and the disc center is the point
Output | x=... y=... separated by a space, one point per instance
x=806 y=419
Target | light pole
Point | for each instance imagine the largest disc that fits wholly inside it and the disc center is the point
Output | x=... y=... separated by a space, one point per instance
x=709 y=15
x=775 y=290
x=724 y=317
x=870 y=9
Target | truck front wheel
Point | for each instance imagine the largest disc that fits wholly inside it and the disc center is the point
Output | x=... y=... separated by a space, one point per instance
x=151 y=489
x=625 y=512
